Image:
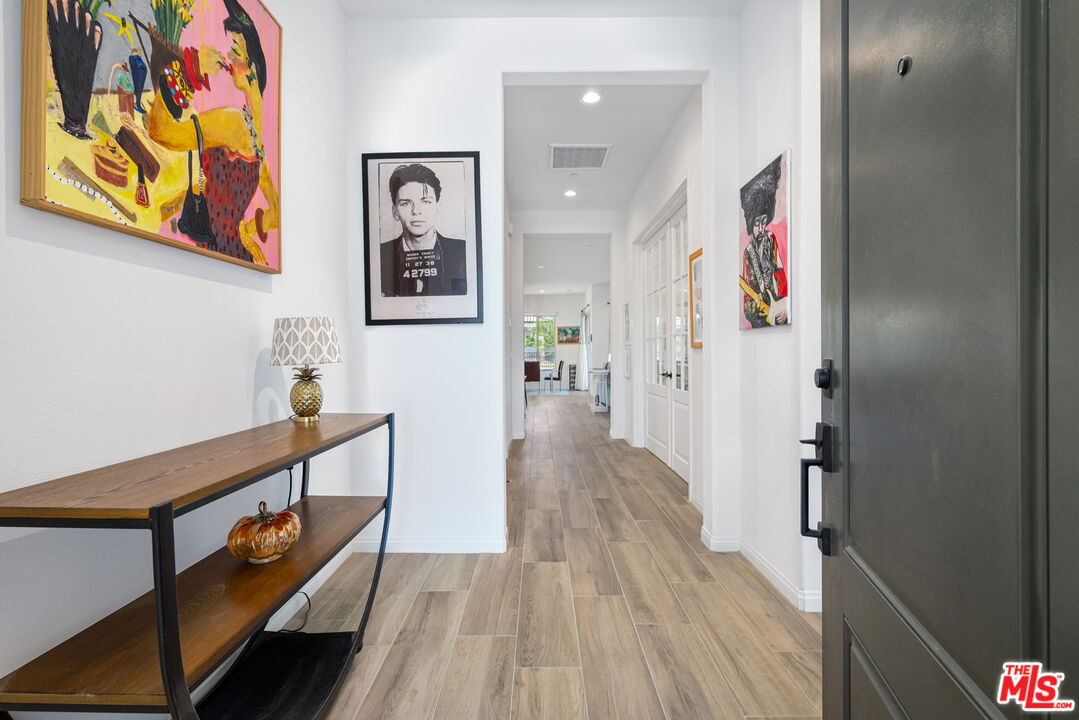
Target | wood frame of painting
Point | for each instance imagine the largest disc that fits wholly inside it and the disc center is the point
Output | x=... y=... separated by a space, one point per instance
x=694 y=341
x=35 y=73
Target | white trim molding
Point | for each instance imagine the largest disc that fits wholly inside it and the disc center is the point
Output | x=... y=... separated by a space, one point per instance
x=719 y=544
x=432 y=545
x=808 y=601
x=679 y=198
x=811 y=601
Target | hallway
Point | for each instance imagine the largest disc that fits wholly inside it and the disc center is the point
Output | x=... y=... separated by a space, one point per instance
x=607 y=604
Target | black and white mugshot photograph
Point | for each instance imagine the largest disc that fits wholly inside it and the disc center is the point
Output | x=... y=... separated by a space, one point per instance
x=422 y=238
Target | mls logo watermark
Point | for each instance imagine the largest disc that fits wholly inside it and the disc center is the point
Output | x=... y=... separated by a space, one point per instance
x=1033 y=690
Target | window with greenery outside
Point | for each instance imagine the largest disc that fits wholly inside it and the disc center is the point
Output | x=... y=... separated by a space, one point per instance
x=540 y=340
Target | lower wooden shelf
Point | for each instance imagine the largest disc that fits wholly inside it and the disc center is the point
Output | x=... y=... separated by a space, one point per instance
x=223 y=601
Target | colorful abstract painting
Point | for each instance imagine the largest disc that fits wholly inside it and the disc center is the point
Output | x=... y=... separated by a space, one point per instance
x=159 y=118
x=569 y=335
x=764 y=240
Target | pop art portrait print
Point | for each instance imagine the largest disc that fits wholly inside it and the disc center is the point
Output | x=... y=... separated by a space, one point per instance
x=422 y=241
x=764 y=239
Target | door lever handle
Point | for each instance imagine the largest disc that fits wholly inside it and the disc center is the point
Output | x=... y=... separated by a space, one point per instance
x=824 y=443
x=823 y=533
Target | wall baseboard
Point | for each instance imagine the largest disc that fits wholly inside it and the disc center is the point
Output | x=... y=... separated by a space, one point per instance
x=697 y=503
x=433 y=545
x=811 y=601
x=808 y=601
x=719 y=544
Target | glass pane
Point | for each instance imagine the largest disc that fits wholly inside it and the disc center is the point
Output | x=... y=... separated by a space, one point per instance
x=662 y=314
x=539 y=340
x=662 y=345
x=657 y=362
x=530 y=338
x=545 y=341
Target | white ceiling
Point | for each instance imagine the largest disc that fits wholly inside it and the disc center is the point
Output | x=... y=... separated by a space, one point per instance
x=570 y=262
x=541 y=8
x=633 y=119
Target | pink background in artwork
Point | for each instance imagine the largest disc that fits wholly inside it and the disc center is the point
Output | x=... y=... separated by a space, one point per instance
x=207 y=28
x=780 y=227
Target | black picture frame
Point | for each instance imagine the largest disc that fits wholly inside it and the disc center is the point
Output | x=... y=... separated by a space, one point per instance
x=373 y=270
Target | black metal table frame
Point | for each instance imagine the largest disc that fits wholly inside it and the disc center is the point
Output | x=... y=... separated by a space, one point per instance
x=161 y=525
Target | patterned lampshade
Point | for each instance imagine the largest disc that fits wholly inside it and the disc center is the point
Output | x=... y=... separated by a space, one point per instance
x=304 y=341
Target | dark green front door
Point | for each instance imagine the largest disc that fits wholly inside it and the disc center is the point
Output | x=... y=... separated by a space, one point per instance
x=935 y=285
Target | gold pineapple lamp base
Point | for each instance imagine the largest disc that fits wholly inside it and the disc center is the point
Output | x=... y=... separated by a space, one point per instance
x=306 y=395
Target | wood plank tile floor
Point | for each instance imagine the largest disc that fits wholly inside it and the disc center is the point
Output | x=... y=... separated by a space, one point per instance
x=607 y=606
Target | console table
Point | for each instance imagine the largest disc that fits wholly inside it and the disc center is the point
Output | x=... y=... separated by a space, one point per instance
x=150 y=655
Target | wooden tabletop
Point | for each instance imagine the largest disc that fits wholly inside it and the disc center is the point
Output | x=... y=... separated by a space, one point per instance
x=185 y=475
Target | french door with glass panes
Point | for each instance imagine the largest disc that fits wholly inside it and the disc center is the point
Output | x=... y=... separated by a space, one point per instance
x=666 y=328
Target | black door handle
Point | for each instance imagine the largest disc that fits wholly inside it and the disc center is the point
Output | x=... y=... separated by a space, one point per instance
x=823 y=442
x=667 y=375
x=823 y=534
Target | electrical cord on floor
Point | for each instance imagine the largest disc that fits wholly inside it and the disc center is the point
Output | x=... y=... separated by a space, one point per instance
x=305 y=617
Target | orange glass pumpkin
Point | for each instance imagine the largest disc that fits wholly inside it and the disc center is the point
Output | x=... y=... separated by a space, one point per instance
x=263 y=538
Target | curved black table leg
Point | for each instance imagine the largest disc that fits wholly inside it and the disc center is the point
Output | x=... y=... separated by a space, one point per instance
x=382 y=545
x=166 y=604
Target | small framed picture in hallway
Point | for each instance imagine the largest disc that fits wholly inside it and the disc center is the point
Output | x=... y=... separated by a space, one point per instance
x=696 y=300
x=422 y=241
x=764 y=240
x=569 y=335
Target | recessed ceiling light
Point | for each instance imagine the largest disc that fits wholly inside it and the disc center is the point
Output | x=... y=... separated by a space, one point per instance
x=591 y=97
x=540 y=267
x=541 y=291
x=570 y=193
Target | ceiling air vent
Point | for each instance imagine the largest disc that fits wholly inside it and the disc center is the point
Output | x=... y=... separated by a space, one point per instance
x=579 y=157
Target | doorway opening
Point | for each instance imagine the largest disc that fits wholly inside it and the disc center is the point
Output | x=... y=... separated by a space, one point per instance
x=599 y=257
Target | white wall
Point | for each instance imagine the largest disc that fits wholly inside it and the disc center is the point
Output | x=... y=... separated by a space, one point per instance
x=566 y=307
x=678 y=162
x=120 y=347
x=746 y=481
x=779 y=90
x=509 y=351
x=514 y=397
x=599 y=298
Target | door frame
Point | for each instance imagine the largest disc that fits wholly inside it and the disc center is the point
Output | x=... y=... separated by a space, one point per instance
x=663 y=216
x=657 y=393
